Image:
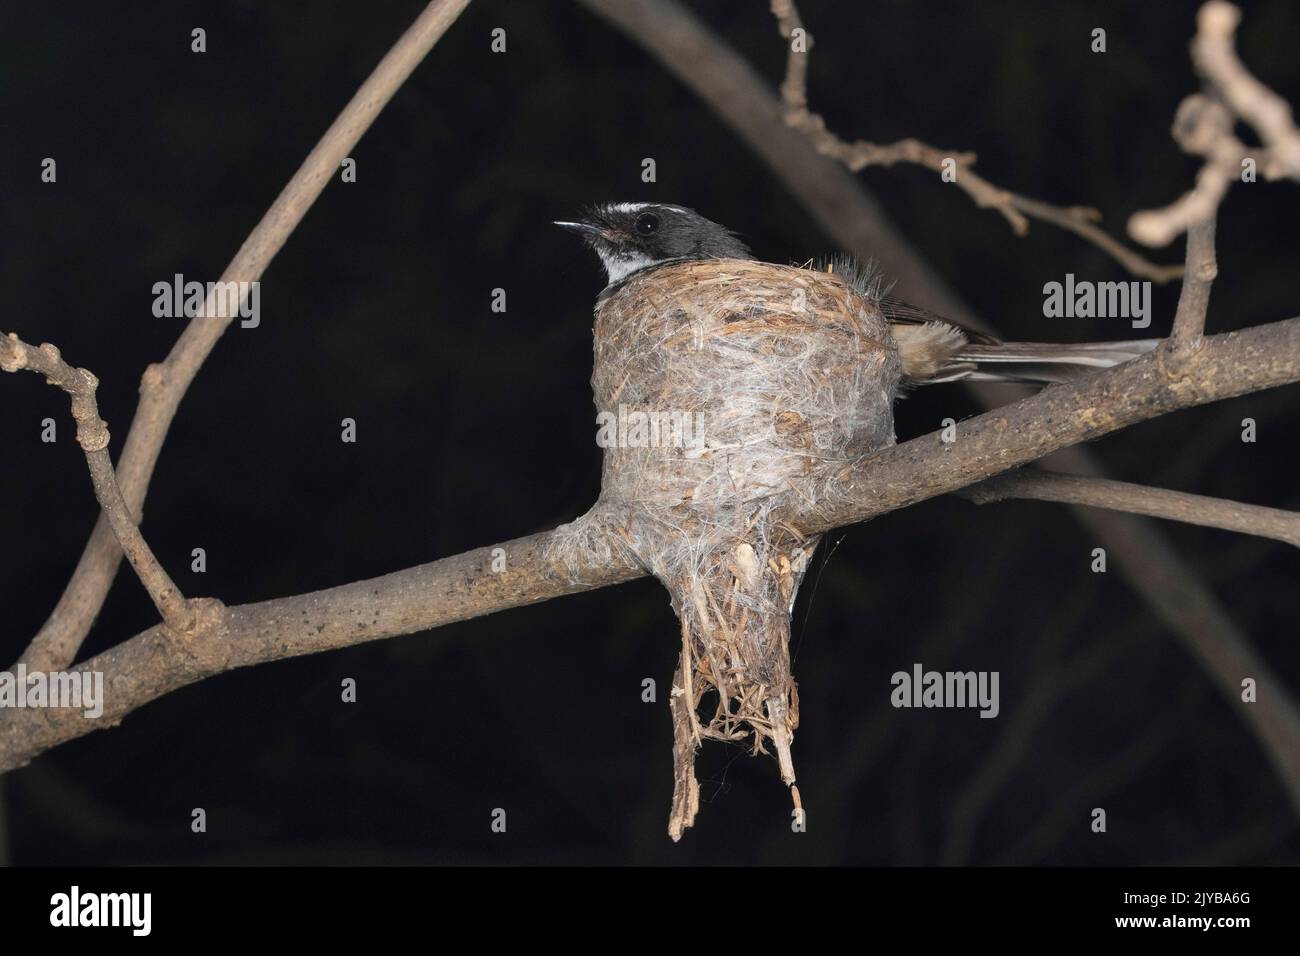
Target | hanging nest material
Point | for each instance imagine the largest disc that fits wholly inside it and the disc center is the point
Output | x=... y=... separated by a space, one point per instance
x=732 y=394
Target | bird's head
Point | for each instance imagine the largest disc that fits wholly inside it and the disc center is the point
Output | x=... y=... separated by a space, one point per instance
x=633 y=235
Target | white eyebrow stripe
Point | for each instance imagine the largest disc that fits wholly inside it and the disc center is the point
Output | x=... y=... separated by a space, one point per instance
x=634 y=206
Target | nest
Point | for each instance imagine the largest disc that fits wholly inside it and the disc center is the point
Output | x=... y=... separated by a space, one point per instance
x=732 y=394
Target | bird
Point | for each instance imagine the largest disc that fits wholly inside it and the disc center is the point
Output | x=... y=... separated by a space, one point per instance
x=789 y=376
x=634 y=238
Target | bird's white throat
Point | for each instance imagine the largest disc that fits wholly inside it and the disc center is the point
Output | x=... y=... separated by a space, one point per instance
x=619 y=266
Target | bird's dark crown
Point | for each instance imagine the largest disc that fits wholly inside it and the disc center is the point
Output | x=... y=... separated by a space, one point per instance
x=629 y=236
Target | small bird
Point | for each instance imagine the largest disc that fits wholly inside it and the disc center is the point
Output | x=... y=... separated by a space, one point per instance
x=633 y=237
x=787 y=377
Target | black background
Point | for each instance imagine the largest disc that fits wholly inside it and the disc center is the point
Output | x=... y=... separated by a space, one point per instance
x=476 y=427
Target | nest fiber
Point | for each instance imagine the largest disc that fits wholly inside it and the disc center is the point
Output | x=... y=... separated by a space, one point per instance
x=731 y=395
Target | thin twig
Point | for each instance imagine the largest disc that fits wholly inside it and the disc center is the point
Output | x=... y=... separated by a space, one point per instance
x=1275 y=523
x=93 y=437
x=858 y=155
x=1203 y=126
x=164 y=384
x=1200 y=270
x=1215 y=57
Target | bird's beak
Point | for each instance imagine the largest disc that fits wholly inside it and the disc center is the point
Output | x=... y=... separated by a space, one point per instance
x=584 y=228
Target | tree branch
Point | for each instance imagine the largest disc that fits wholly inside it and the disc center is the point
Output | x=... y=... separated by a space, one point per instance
x=164 y=384
x=158 y=661
x=93 y=437
x=1194 y=297
x=1203 y=127
x=1176 y=591
x=1036 y=485
x=1155 y=384
x=860 y=154
x=1215 y=57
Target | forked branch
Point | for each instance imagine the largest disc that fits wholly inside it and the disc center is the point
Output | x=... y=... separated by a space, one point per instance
x=164 y=384
x=93 y=437
x=453 y=589
x=1208 y=512
x=1015 y=208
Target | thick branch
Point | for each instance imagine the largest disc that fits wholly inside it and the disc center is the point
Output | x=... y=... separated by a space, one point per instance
x=1201 y=510
x=1155 y=384
x=158 y=661
x=164 y=384
x=453 y=589
x=93 y=437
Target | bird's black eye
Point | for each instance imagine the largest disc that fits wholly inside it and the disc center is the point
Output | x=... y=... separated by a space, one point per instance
x=647 y=224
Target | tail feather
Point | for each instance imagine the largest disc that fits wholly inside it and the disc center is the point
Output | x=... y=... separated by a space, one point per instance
x=1093 y=354
x=935 y=352
x=935 y=349
x=1046 y=362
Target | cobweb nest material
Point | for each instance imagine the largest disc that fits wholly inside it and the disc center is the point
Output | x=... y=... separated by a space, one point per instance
x=732 y=396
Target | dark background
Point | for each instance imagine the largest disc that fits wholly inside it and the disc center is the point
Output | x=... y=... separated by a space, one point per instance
x=477 y=427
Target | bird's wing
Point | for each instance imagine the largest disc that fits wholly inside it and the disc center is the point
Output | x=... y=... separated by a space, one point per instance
x=897 y=311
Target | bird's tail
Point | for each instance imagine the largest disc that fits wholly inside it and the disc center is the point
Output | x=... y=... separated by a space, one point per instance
x=935 y=349
x=1035 y=362
x=1048 y=362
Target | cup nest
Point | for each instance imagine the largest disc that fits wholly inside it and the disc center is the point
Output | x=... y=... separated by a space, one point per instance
x=731 y=396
